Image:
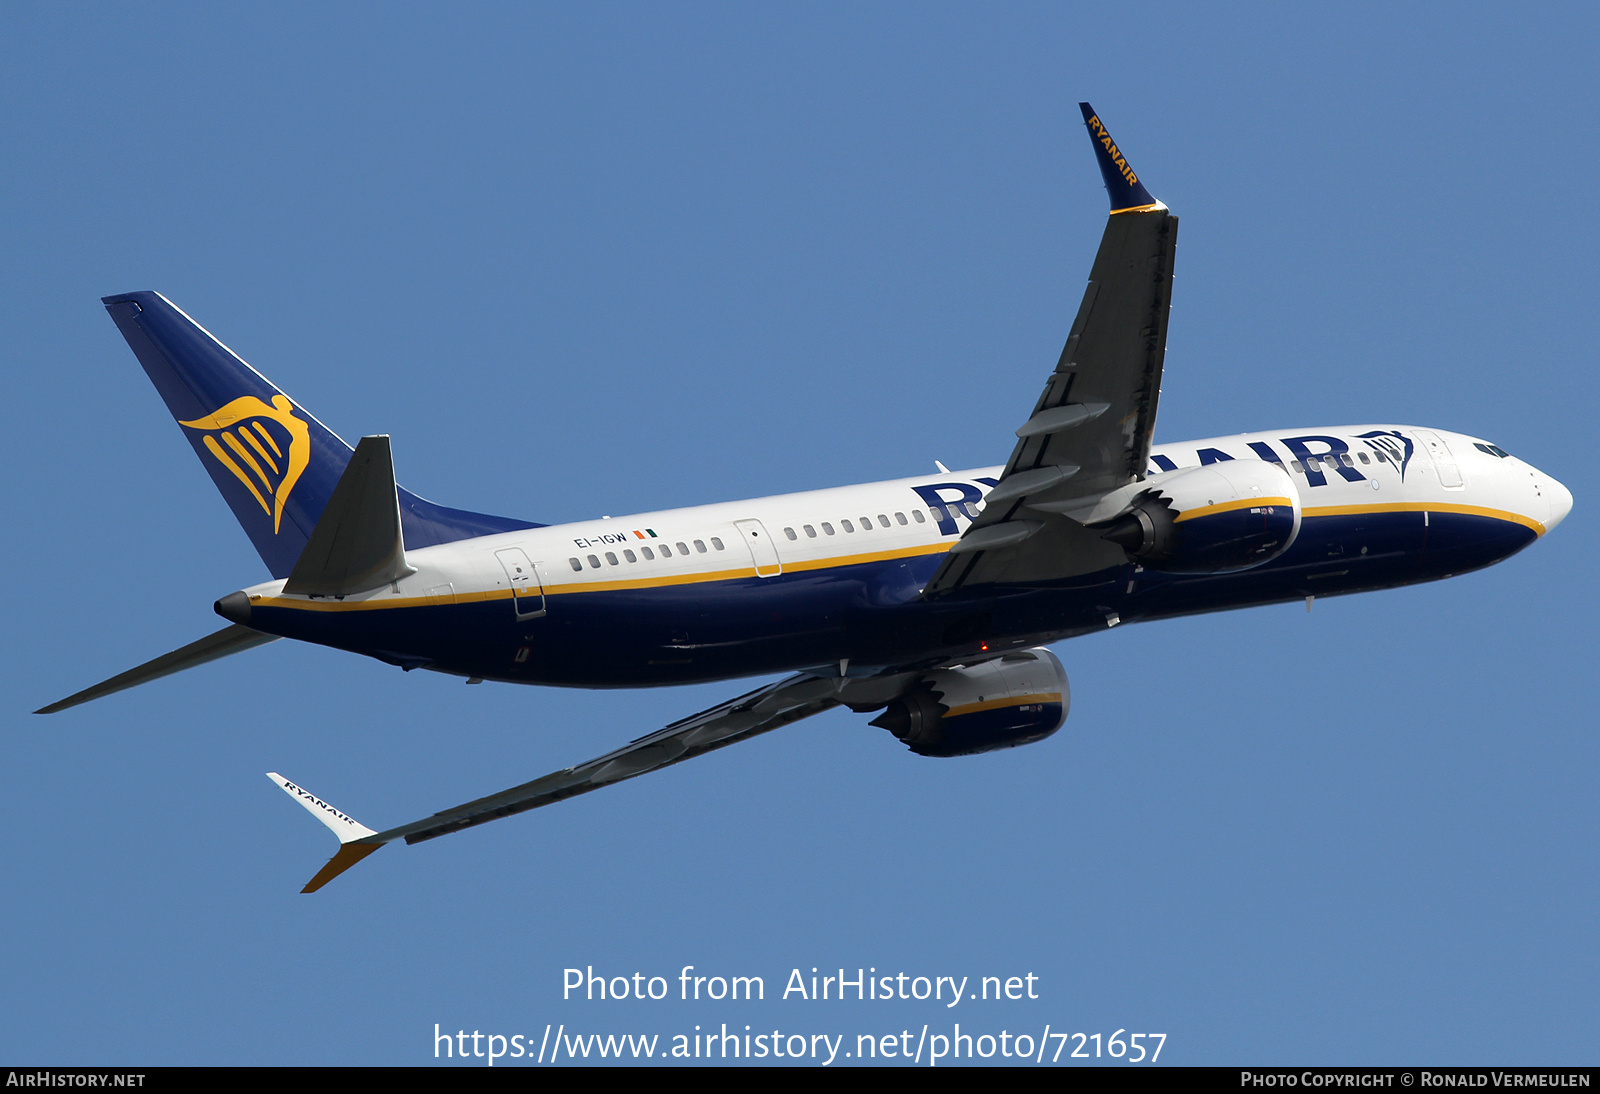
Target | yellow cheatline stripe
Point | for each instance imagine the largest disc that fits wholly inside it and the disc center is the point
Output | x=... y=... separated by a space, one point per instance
x=1427 y=507
x=238 y=472
x=995 y=704
x=262 y=452
x=656 y=581
x=1229 y=506
x=871 y=556
x=244 y=454
x=1139 y=209
x=646 y=582
x=261 y=429
x=376 y=605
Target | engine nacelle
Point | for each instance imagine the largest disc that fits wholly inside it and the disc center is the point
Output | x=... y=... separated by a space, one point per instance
x=1210 y=520
x=1013 y=700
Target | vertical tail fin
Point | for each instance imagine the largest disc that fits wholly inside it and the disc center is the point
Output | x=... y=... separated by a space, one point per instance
x=274 y=463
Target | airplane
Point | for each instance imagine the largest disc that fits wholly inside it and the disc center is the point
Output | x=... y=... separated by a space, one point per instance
x=928 y=601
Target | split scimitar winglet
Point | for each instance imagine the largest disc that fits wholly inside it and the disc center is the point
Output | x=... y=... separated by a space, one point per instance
x=351 y=833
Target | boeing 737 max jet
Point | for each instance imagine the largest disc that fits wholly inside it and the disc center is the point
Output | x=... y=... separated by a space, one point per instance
x=926 y=600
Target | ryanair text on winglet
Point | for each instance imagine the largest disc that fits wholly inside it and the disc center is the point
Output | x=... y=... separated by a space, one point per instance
x=1111 y=150
x=318 y=802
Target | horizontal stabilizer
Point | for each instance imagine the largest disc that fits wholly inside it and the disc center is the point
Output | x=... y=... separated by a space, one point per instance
x=229 y=640
x=357 y=543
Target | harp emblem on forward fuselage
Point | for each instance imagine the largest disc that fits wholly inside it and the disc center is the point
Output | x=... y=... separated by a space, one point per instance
x=264 y=446
x=1389 y=442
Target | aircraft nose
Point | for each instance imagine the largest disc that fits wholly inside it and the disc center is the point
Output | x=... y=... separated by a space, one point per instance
x=1560 y=502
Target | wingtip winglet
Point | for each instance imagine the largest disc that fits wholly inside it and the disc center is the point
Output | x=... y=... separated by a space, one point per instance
x=1128 y=194
x=340 y=823
x=355 y=842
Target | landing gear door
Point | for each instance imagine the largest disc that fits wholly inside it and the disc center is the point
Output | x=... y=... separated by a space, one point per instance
x=762 y=550
x=527 y=592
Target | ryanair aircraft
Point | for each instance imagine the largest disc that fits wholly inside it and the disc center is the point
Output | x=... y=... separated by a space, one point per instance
x=927 y=601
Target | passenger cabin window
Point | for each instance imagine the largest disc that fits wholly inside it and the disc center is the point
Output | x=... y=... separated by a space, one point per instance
x=648 y=553
x=683 y=549
x=883 y=521
x=790 y=533
x=700 y=545
x=612 y=558
x=666 y=552
x=917 y=515
x=594 y=562
x=577 y=567
x=938 y=512
x=811 y=533
x=901 y=517
x=866 y=523
x=1363 y=457
x=717 y=543
x=847 y=526
x=827 y=528
x=629 y=555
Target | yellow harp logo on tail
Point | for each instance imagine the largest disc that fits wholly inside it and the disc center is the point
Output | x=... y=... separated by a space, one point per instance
x=265 y=447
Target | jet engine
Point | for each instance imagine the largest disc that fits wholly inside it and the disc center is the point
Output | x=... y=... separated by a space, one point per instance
x=1012 y=700
x=1209 y=520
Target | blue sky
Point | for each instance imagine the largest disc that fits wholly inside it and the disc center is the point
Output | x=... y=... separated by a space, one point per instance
x=603 y=259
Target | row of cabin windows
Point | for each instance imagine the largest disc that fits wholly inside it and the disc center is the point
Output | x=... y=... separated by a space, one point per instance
x=649 y=554
x=1315 y=462
x=955 y=509
x=958 y=508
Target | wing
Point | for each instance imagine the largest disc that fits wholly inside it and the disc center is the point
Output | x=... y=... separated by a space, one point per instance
x=757 y=712
x=1091 y=428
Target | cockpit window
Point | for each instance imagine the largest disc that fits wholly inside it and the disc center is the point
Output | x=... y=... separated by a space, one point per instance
x=1491 y=449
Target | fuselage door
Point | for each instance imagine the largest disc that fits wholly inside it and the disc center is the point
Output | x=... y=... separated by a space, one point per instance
x=527 y=594
x=1443 y=461
x=762 y=550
